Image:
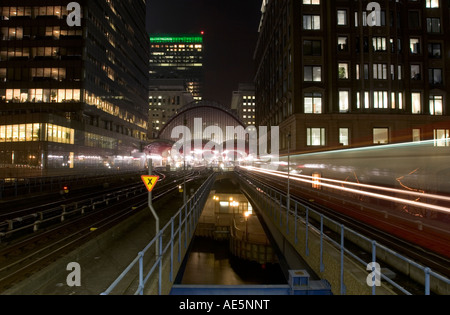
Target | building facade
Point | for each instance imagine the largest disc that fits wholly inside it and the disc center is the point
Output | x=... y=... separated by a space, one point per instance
x=166 y=97
x=243 y=102
x=336 y=74
x=178 y=56
x=72 y=96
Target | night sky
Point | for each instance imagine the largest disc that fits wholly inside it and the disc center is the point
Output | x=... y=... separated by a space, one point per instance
x=231 y=32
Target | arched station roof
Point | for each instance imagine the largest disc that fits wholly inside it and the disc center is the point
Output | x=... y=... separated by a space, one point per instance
x=211 y=114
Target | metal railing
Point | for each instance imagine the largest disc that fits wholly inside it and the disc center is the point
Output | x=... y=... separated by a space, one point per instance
x=15 y=187
x=33 y=221
x=274 y=203
x=179 y=230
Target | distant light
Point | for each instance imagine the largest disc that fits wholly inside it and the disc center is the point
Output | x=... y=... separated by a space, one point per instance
x=202 y=32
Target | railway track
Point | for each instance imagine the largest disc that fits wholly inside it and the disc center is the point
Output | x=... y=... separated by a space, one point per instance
x=417 y=253
x=75 y=196
x=20 y=258
x=20 y=222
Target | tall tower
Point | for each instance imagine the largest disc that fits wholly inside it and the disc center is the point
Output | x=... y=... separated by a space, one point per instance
x=178 y=56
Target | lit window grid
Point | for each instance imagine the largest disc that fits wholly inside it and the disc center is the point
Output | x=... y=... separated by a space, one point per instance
x=36 y=132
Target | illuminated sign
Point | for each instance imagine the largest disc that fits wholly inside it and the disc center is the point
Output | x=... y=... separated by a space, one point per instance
x=176 y=39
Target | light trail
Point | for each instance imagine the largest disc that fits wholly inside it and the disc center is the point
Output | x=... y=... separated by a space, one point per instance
x=374 y=187
x=365 y=193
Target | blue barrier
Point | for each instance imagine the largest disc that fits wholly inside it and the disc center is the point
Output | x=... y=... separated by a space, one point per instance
x=299 y=284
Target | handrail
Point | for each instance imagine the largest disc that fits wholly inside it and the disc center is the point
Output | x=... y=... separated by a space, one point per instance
x=187 y=217
x=275 y=197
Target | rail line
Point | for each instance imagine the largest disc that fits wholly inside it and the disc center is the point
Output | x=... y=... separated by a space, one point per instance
x=420 y=254
x=38 y=250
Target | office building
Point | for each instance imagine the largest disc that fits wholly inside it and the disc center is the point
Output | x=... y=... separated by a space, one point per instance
x=166 y=98
x=178 y=56
x=72 y=96
x=336 y=74
x=243 y=102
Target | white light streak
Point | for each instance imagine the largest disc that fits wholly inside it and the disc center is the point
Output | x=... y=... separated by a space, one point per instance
x=309 y=179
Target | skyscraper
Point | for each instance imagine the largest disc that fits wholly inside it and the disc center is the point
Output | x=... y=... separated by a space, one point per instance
x=332 y=78
x=72 y=96
x=178 y=56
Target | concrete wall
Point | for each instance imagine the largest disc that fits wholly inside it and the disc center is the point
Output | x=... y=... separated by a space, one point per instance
x=354 y=274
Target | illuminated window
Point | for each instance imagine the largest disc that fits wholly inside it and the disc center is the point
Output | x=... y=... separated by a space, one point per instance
x=441 y=137
x=341 y=17
x=344 y=136
x=343 y=101
x=343 y=70
x=380 y=99
x=342 y=43
x=436 y=105
x=311 y=22
x=380 y=71
x=315 y=136
x=2 y=133
x=432 y=4
x=15 y=133
x=379 y=44
x=29 y=133
x=414 y=44
x=416 y=103
x=400 y=100
x=381 y=135
x=313 y=103
x=20 y=133
x=366 y=100
x=416 y=135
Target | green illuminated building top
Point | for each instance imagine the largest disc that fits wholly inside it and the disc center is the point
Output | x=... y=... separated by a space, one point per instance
x=170 y=38
x=178 y=56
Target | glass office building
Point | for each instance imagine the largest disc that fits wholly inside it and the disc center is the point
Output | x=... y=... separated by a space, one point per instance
x=72 y=97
